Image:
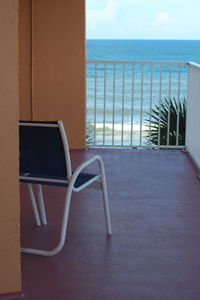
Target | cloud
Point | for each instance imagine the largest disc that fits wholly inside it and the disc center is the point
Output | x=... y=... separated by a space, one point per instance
x=106 y=17
x=108 y=13
x=129 y=19
x=163 y=18
x=111 y=10
x=162 y=23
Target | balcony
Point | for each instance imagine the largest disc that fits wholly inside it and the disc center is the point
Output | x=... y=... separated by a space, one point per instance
x=154 y=251
x=154 y=198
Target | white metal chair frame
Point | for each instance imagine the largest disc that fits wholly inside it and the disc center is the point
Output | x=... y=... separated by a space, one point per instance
x=98 y=182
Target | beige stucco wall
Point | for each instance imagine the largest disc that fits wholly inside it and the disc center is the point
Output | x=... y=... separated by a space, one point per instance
x=58 y=65
x=9 y=194
x=25 y=108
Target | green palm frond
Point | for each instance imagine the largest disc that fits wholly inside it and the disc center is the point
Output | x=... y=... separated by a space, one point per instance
x=89 y=134
x=168 y=112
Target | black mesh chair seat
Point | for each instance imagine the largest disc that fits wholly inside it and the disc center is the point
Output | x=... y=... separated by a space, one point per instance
x=40 y=179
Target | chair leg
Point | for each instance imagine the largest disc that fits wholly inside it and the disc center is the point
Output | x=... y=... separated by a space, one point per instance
x=63 y=232
x=34 y=205
x=41 y=203
x=105 y=198
x=106 y=208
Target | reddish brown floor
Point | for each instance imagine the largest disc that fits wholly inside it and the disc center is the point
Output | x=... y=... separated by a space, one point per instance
x=154 y=253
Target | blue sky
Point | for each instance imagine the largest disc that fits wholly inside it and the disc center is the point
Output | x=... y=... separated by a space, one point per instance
x=143 y=19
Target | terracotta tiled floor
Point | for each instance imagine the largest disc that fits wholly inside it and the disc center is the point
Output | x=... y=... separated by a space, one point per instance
x=154 y=253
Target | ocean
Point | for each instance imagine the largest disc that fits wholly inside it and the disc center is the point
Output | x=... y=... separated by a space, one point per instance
x=144 y=50
x=119 y=98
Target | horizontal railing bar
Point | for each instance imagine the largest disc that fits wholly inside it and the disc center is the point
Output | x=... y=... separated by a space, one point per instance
x=192 y=64
x=138 y=147
x=137 y=62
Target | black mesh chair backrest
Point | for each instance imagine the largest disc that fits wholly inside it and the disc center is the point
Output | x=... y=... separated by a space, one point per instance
x=41 y=150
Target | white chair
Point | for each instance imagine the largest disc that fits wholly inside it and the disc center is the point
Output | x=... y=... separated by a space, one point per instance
x=45 y=160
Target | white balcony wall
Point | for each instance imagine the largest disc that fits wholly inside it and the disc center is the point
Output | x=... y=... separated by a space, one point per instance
x=193 y=113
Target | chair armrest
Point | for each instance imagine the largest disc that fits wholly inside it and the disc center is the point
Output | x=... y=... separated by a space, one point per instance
x=83 y=166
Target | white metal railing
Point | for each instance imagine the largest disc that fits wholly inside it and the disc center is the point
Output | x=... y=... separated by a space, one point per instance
x=122 y=98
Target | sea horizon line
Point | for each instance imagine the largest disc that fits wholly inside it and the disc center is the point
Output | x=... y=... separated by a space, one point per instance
x=113 y=39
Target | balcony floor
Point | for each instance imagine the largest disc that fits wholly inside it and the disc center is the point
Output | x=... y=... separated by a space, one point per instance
x=154 y=252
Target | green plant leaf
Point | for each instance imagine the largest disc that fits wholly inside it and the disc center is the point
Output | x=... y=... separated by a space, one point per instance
x=170 y=111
